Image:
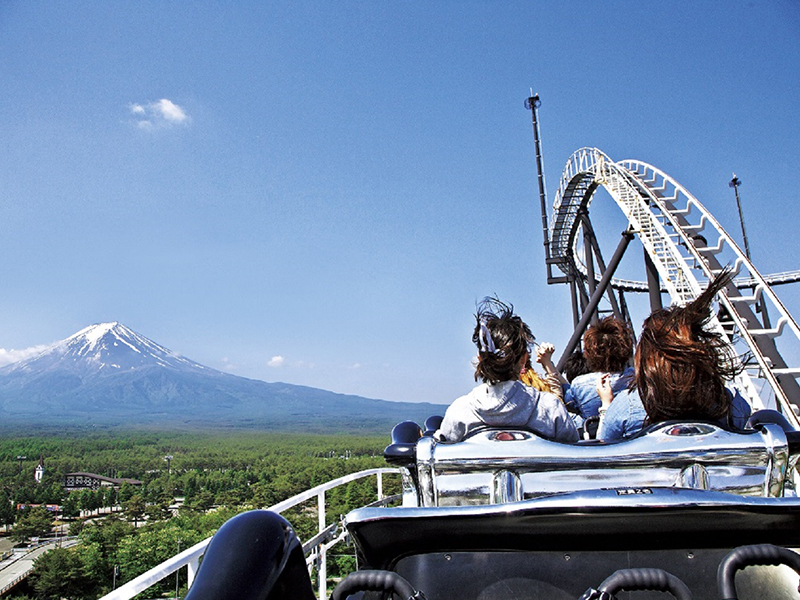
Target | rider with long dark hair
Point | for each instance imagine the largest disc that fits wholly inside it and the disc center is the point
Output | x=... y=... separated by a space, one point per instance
x=681 y=371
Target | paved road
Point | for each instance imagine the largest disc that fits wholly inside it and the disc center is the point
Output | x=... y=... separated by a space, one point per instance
x=20 y=564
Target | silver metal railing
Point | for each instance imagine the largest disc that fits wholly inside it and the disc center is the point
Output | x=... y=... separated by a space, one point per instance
x=317 y=546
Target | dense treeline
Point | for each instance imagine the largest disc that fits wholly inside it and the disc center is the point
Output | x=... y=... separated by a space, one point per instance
x=216 y=474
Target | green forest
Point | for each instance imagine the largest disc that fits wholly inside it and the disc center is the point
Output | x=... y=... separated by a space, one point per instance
x=192 y=482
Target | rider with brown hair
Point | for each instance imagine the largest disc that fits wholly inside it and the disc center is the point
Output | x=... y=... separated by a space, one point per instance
x=608 y=348
x=682 y=367
x=502 y=400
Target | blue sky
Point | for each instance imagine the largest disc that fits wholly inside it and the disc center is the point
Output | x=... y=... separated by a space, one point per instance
x=319 y=192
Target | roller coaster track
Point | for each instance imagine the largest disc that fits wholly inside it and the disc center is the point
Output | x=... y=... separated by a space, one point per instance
x=688 y=247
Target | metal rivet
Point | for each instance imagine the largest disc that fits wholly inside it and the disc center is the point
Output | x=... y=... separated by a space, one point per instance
x=567 y=557
x=690 y=555
x=448 y=557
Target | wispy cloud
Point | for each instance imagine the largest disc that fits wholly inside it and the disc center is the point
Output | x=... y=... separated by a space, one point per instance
x=11 y=356
x=158 y=115
x=227 y=365
x=276 y=361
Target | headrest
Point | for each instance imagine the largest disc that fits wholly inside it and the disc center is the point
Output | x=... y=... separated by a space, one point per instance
x=406 y=432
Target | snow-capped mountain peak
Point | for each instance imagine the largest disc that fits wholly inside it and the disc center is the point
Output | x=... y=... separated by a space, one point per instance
x=94 y=333
x=109 y=374
x=107 y=346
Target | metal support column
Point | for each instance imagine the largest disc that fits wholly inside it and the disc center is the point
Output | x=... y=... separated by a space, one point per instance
x=582 y=295
x=191 y=571
x=619 y=309
x=653 y=283
x=588 y=259
x=735 y=183
x=573 y=292
x=627 y=236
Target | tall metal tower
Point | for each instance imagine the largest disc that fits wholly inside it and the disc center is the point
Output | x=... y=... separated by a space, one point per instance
x=735 y=183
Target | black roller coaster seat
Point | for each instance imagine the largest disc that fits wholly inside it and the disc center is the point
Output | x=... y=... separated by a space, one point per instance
x=403 y=449
x=432 y=423
x=768 y=415
x=254 y=556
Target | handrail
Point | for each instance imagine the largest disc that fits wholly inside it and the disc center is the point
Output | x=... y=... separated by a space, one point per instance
x=190 y=557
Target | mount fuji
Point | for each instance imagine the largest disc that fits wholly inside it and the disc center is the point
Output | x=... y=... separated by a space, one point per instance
x=107 y=374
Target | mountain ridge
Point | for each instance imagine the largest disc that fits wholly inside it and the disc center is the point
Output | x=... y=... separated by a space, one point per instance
x=107 y=374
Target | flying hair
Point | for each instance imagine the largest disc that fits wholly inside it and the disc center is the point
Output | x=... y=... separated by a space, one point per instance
x=682 y=365
x=503 y=339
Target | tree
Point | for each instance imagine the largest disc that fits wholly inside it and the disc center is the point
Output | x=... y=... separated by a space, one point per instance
x=135 y=507
x=126 y=491
x=33 y=522
x=7 y=511
x=233 y=497
x=70 y=507
x=76 y=527
x=95 y=569
x=110 y=498
x=58 y=574
x=151 y=546
x=201 y=501
x=107 y=533
x=158 y=511
x=86 y=500
x=263 y=495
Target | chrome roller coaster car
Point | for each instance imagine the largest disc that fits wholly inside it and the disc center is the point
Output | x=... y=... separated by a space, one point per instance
x=688 y=509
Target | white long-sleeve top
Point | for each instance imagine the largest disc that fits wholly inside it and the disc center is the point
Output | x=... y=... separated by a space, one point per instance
x=508 y=404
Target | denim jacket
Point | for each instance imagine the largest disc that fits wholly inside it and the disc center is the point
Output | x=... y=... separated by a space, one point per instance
x=582 y=392
x=624 y=418
x=626 y=415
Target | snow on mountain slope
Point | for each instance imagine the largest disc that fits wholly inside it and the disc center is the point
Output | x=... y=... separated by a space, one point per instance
x=108 y=374
x=102 y=348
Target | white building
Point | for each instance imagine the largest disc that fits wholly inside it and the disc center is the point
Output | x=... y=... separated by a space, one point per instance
x=39 y=473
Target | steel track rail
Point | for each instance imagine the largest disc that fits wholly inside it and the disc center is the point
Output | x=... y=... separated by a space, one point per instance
x=686 y=244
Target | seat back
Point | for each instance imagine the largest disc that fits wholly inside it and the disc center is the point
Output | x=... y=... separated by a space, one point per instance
x=501 y=465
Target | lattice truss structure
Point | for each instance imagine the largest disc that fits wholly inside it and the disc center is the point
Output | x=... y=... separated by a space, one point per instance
x=687 y=247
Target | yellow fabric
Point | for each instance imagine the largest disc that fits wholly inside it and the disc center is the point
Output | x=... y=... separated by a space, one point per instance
x=550 y=384
x=530 y=378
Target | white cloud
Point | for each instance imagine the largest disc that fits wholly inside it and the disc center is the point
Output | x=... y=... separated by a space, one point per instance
x=227 y=365
x=276 y=361
x=170 y=111
x=11 y=356
x=160 y=114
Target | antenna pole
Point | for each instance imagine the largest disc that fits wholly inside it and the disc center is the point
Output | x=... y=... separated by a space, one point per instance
x=735 y=183
x=762 y=305
x=532 y=103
